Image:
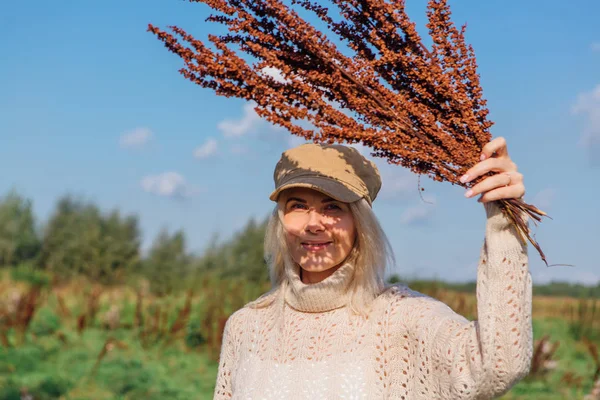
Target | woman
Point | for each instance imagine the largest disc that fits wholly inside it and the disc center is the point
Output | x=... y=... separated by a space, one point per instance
x=329 y=329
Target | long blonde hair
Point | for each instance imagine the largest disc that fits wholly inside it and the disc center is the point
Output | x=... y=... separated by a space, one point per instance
x=371 y=255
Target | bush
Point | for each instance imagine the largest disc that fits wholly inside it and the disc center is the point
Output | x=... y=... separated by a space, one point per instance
x=123 y=376
x=194 y=337
x=51 y=388
x=45 y=323
x=10 y=391
x=27 y=273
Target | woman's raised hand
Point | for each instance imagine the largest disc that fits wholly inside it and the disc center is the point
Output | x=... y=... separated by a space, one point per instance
x=507 y=183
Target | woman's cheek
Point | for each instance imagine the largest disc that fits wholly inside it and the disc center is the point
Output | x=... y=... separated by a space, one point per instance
x=293 y=234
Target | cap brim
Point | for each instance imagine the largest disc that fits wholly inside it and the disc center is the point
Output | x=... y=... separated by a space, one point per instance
x=330 y=187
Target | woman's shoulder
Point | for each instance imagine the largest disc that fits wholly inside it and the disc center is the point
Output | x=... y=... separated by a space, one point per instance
x=400 y=291
x=400 y=295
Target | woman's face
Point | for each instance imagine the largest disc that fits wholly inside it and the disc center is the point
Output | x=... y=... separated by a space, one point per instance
x=320 y=231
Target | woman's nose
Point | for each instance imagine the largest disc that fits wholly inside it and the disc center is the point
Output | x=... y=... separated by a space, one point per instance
x=314 y=222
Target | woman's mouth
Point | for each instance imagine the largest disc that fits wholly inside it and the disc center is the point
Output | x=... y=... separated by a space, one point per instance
x=315 y=246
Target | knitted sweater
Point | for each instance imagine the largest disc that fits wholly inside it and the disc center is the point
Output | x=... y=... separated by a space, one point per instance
x=309 y=345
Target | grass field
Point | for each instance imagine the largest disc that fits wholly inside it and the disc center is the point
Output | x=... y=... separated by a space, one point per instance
x=85 y=342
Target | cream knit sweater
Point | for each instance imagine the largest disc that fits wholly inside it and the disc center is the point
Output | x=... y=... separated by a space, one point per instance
x=309 y=345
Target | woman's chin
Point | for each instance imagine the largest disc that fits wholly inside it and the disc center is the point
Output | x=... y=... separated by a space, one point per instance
x=315 y=268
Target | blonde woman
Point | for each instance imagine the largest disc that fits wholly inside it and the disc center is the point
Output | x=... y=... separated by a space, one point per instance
x=331 y=329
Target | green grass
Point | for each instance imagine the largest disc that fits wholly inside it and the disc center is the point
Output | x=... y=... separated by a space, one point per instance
x=50 y=369
x=571 y=356
x=54 y=362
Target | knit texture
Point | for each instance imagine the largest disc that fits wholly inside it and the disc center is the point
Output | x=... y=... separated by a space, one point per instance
x=309 y=345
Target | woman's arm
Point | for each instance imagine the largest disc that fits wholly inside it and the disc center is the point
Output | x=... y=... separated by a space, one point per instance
x=460 y=359
x=503 y=306
x=484 y=359
x=503 y=279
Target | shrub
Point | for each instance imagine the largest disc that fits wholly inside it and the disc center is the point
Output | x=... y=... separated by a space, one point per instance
x=27 y=273
x=45 y=322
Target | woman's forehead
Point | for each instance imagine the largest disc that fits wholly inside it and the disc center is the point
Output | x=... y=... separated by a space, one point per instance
x=304 y=194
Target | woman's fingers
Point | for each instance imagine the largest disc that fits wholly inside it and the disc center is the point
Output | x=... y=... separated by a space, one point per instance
x=495 y=147
x=501 y=180
x=489 y=165
x=506 y=192
x=506 y=184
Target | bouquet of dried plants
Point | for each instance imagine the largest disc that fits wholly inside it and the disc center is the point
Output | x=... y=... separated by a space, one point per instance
x=418 y=107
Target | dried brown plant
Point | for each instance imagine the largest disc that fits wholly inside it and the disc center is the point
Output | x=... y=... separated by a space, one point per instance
x=416 y=107
x=81 y=323
x=93 y=303
x=542 y=361
x=27 y=307
x=139 y=314
x=164 y=327
x=62 y=337
x=110 y=344
x=62 y=306
x=570 y=379
x=156 y=321
x=593 y=349
x=183 y=316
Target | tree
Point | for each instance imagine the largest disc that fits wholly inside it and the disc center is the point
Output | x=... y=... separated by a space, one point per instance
x=167 y=263
x=78 y=239
x=19 y=241
x=119 y=245
x=242 y=256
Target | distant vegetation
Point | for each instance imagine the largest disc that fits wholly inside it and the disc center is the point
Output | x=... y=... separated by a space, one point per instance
x=79 y=239
x=556 y=289
x=83 y=315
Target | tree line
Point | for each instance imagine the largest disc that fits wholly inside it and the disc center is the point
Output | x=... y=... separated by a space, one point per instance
x=79 y=239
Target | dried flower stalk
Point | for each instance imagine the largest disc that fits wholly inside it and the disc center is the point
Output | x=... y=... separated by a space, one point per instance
x=183 y=316
x=416 y=107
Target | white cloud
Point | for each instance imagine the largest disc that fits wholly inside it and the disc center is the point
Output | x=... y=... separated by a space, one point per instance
x=167 y=184
x=588 y=105
x=275 y=73
x=135 y=138
x=208 y=149
x=419 y=214
x=236 y=128
x=398 y=183
x=595 y=46
x=398 y=186
x=416 y=215
x=544 y=199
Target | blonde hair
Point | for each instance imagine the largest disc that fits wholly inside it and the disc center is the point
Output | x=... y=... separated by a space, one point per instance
x=371 y=255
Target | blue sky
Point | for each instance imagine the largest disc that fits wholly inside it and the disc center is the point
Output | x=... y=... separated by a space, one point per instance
x=91 y=104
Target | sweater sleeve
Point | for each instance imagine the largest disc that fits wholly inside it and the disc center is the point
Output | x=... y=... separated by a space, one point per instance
x=485 y=358
x=227 y=359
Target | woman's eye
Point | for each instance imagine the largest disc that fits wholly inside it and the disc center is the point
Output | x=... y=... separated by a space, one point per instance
x=333 y=207
x=297 y=206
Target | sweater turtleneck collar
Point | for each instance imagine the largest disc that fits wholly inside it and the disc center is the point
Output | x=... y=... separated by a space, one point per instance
x=329 y=294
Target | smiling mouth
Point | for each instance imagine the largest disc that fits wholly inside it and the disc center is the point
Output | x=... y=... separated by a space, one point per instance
x=315 y=246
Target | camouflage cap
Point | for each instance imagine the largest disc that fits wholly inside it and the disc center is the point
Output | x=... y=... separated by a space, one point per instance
x=338 y=171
